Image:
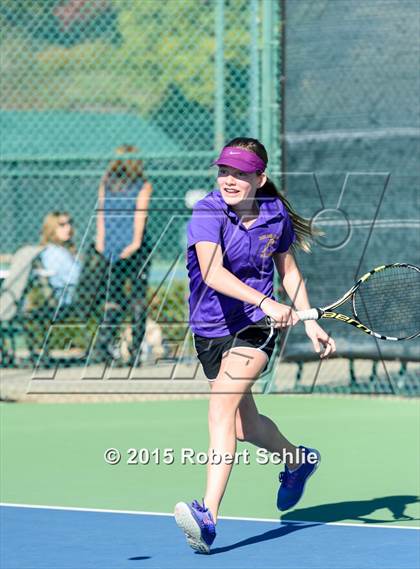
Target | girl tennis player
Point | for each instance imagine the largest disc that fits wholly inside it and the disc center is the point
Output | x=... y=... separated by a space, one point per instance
x=236 y=236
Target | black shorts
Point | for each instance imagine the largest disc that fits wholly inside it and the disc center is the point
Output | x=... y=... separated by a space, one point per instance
x=210 y=350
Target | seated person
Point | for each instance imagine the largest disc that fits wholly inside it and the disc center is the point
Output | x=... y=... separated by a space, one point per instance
x=59 y=256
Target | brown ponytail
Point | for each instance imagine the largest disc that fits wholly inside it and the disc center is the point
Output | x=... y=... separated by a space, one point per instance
x=302 y=226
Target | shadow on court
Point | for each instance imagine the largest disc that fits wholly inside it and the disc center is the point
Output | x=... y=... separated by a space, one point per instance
x=268 y=535
x=328 y=513
x=354 y=511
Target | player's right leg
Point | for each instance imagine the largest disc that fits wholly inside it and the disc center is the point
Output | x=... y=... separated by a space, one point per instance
x=240 y=367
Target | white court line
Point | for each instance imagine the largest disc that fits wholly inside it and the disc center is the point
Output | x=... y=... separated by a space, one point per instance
x=141 y=513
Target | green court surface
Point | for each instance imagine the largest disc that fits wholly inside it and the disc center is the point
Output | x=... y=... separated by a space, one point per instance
x=52 y=454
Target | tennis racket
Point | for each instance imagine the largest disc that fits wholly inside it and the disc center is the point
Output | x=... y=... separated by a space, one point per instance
x=385 y=303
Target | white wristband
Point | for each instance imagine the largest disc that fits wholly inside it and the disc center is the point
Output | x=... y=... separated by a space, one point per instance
x=311 y=314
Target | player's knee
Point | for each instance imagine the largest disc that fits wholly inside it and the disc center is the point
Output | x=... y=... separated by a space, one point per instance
x=222 y=409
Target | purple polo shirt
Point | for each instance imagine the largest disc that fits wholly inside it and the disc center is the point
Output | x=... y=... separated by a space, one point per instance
x=247 y=253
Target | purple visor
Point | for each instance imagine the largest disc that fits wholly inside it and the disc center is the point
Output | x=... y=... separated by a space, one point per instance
x=240 y=159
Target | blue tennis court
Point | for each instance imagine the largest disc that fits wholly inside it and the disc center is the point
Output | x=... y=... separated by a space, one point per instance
x=48 y=538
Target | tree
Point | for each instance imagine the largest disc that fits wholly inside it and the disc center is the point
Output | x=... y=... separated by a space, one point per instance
x=128 y=62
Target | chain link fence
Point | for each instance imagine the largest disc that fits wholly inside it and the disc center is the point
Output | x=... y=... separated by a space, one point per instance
x=135 y=98
x=120 y=94
x=352 y=141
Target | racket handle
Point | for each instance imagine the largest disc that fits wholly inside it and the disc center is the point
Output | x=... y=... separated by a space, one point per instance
x=311 y=314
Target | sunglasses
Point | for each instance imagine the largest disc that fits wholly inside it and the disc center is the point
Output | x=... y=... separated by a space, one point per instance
x=63 y=223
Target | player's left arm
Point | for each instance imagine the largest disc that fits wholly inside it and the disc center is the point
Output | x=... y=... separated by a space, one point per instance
x=295 y=288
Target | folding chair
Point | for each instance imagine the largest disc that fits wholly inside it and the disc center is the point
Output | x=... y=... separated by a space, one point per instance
x=13 y=296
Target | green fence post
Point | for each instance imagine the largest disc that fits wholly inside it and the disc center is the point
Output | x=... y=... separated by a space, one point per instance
x=219 y=108
x=267 y=75
x=254 y=82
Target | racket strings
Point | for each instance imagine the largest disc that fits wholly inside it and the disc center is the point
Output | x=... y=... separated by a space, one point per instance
x=388 y=302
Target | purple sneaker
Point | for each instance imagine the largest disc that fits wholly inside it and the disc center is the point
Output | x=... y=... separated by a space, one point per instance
x=293 y=483
x=197 y=523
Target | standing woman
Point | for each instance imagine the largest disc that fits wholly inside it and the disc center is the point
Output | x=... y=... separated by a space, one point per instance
x=236 y=236
x=124 y=195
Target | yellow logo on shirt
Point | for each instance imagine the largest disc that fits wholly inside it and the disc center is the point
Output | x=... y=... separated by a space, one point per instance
x=270 y=246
